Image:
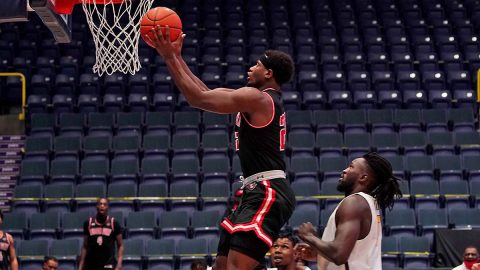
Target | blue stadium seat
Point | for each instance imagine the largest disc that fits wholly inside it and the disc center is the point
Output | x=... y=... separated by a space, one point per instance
x=160 y=253
x=101 y=124
x=190 y=250
x=15 y=224
x=456 y=193
x=205 y=224
x=448 y=167
x=124 y=170
x=68 y=65
x=334 y=81
x=426 y=194
x=184 y=195
x=84 y=194
x=214 y=196
x=304 y=190
x=72 y=224
x=44 y=225
x=304 y=169
x=400 y=222
x=155 y=169
x=141 y=225
x=42 y=124
x=162 y=83
x=121 y=196
x=134 y=249
x=331 y=167
x=435 y=120
x=113 y=102
x=152 y=196
x=174 y=225
x=31 y=253
x=417 y=245
x=301 y=143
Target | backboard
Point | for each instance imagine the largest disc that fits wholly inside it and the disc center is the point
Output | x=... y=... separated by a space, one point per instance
x=114 y=24
x=58 y=24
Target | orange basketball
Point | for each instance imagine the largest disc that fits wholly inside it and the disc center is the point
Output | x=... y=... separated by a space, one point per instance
x=160 y=16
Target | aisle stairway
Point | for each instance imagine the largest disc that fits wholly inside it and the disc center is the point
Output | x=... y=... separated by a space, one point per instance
x=10 y=159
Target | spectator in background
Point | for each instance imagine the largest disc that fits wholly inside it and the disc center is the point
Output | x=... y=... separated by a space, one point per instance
x=101 y=232
x=50 y=263
x=283 y=255
x=8 y=256
x=470 y=258
x=200 y=265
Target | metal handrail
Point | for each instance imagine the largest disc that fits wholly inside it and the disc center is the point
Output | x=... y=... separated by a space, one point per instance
x=21 y=116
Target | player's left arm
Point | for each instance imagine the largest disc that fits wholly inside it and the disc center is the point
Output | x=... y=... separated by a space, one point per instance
x=119 y=251
x=348 y=222
x=224 y=100
x=12 y=253
x=218 y=100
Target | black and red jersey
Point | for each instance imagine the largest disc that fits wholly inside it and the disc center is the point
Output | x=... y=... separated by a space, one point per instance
x=4 y=254
x=262 y=148
x=101 y=239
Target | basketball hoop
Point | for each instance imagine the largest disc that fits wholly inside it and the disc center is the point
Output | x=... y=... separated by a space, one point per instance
x=115 y=27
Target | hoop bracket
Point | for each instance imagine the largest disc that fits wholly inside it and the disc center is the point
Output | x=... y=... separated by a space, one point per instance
x=66 y=6
x=58 y=24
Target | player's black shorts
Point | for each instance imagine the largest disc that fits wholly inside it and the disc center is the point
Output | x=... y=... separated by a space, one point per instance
x=99 y=267
x=264 y=208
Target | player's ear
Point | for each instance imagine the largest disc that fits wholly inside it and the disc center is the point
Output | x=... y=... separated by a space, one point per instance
x=269 y=73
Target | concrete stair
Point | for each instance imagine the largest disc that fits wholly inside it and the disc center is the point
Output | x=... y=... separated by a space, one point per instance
x=10 y=158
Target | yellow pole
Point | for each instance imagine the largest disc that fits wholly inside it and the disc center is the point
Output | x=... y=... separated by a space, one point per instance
x=21 y=116
x=478 y=86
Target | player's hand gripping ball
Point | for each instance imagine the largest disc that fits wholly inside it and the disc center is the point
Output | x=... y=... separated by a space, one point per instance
x=161 y=16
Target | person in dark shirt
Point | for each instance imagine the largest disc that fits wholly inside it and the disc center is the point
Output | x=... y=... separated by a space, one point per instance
x=470 y=259
x=199 y=265
x=283 y=255
x=101 y=232
x=8 y=256
x=50 y=263
x=267 y=201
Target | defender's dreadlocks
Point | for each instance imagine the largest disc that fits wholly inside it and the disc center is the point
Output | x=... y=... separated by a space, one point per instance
x=387 y=188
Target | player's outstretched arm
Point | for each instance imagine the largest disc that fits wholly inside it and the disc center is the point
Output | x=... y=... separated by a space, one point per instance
x=348 y=221
x=194 y=78
x=185 y=67
x=220 y=100
x=178 y=45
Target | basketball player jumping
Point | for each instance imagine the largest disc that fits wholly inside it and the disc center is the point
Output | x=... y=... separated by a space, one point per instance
x=352 y=238
x=260 y=129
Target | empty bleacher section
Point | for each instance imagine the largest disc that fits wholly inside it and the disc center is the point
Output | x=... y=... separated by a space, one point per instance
x=393 y=76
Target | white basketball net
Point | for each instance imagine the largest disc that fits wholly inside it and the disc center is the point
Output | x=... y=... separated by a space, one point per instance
x=115 y=29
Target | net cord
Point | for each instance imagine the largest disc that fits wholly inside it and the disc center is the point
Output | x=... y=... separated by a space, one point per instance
x=116 y=31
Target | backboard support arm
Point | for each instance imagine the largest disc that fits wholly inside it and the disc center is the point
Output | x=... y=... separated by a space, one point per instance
x=58 y=24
